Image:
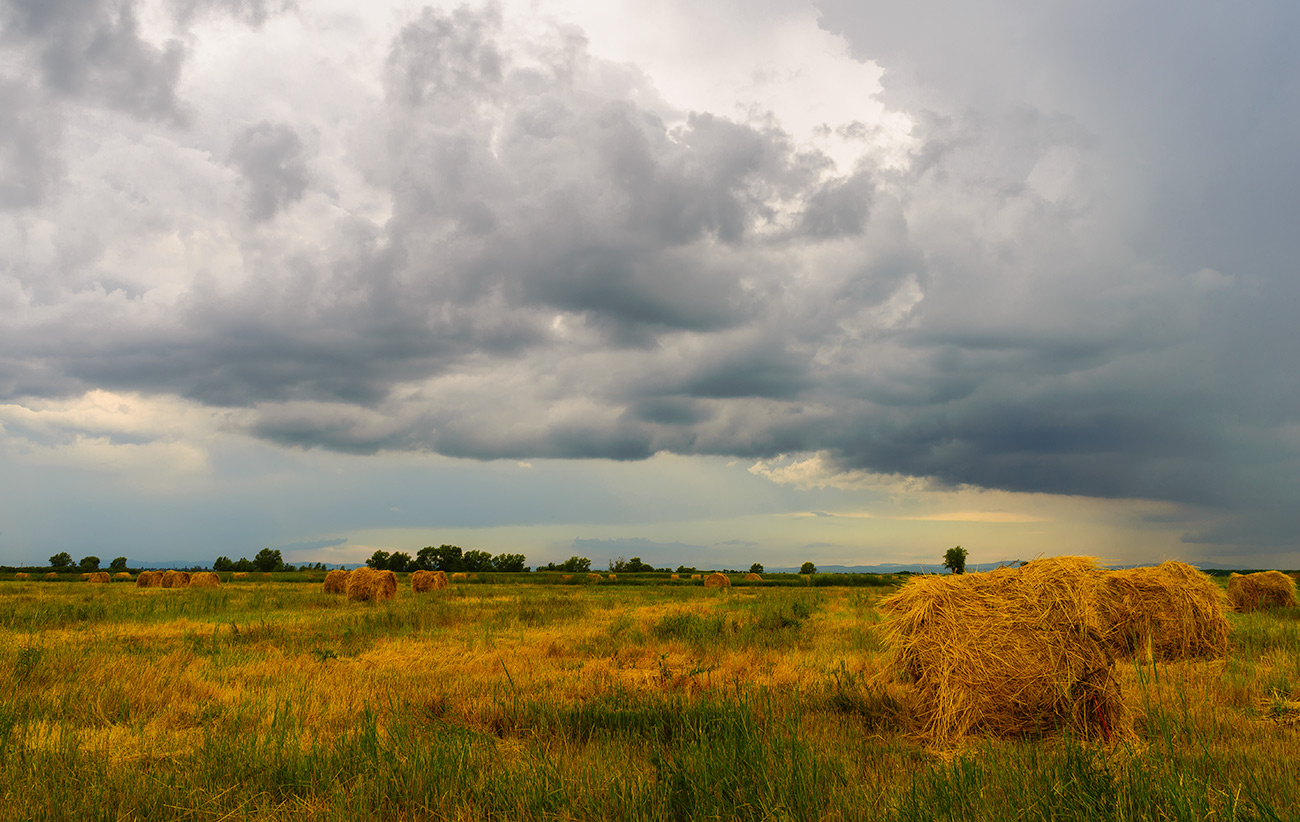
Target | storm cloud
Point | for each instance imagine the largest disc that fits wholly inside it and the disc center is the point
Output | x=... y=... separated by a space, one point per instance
x=1073 y=274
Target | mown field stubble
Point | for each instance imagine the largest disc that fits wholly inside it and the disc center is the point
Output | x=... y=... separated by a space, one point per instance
x=272 y=700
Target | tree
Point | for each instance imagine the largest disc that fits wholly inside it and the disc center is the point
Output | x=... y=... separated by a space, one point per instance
x=268 y=560
x=245 y=564
x=61 y=560
x=756 y=568
x=476 y=561
x=118 y=564
x=509 y=563
x=223 y=564
x=399 y=561
x=807 y=568
x=89 y=563
x=955 y=560
x=378 y=560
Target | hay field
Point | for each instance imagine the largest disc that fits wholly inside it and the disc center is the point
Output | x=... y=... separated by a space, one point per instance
x=277 y=701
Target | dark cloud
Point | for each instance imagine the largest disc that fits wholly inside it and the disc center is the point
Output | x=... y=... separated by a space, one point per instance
x=270 y=158
x=28 y=166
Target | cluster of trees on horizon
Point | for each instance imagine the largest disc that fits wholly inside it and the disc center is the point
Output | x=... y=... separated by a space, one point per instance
x=448 y=558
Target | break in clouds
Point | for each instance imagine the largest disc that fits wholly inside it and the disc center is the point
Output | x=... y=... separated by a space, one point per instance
x=1071 y=271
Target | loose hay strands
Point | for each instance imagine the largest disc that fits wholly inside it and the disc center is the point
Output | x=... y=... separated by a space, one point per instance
x=422 y=581
x=336 y=582
x=99 y=577
x=1257 y=592
x=1171 y=611
x=175 y=579
x=752 y=577
x=369 y=585
x=717 y=581
x=205 y=579
x=121 y=576
x=1016 y=651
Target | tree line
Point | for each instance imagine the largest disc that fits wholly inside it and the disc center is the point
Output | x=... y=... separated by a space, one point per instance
x=449 y=558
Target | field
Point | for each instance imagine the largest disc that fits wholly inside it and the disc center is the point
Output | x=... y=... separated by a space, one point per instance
x=270 y=700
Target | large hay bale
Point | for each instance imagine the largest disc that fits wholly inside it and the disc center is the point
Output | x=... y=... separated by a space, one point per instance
x=175 y=579
x=1016 y=651
x=99 y=577
x=422 y=581
x=1171 y=611
x=52 y=575
x=753 y=577
x=205 y=579
x=716 y=580
x=1257 y=592
x=122 y=576
x=369 y=585
x=239 y=575
x=145 y=579
x=21 y=575
x=336 y=582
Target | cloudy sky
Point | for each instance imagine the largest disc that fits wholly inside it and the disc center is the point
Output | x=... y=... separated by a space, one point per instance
x=847 y=281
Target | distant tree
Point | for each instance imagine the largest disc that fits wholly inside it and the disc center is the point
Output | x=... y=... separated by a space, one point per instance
x=509 y=563
x=955 y=560
x=476 y=561
x=448 y=558
x=424 y=559
x=245 y=564
x=118 y=564
x=89 y=563
x=629 y=566
x=61 y=560
x=687 y=569
x=807 y=568
x=756 y=568
x=399 y=561
x=378 y=560
x=268 y=559
x=575 y=565
x=220 y=564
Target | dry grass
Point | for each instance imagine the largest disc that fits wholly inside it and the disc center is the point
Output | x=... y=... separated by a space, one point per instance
x=336 y=582
x=99 y=577
x=175 y=579
x=717 y=581
x=1171 y=611
x=205 y=579
x=1016 y=651
x=369 y=585
x=422 y=581
x=1256 y=592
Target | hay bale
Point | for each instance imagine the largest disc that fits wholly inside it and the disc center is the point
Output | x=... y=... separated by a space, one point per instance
x=593 y=579
x=52 y=575
x=205 y=579
x=99 y=577
x=1257 y=592
x=675 y=577
x=175 y=579
x=336 y=582
x=85 y=577
x=716 y=580
x=613 y=577
x=369 y=585
x=422 y=581
x=459 y=577
x=1171 y=611
x=1012 y=652
x=753 y=577
x=21 y=575
x=121 y=576
x=239 y=575
x=142 y=580
x=566 y=577
x=695 y=576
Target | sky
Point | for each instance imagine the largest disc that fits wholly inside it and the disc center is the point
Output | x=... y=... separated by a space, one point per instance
x=710 y=284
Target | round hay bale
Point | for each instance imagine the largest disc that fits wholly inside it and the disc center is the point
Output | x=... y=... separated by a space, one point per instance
x=239 y=575
x=422 y=581
x=753 y=577
x=1261 y=591
x=459 y=576
x=675 y=577
x=566 y=577
x=695 y=576
x=369 y=585
x=99 y=577
x=1012 y=652
x=21 y=575
x=593 y=579
x=336 y=582
x=205 y=579
x=144 y=579
x=175 y=579
x=473 y=576
x=85 y=577
x=52 y=575
x=1171 y=611
x=613 y=577
x=121 y=576
x=716 y=580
